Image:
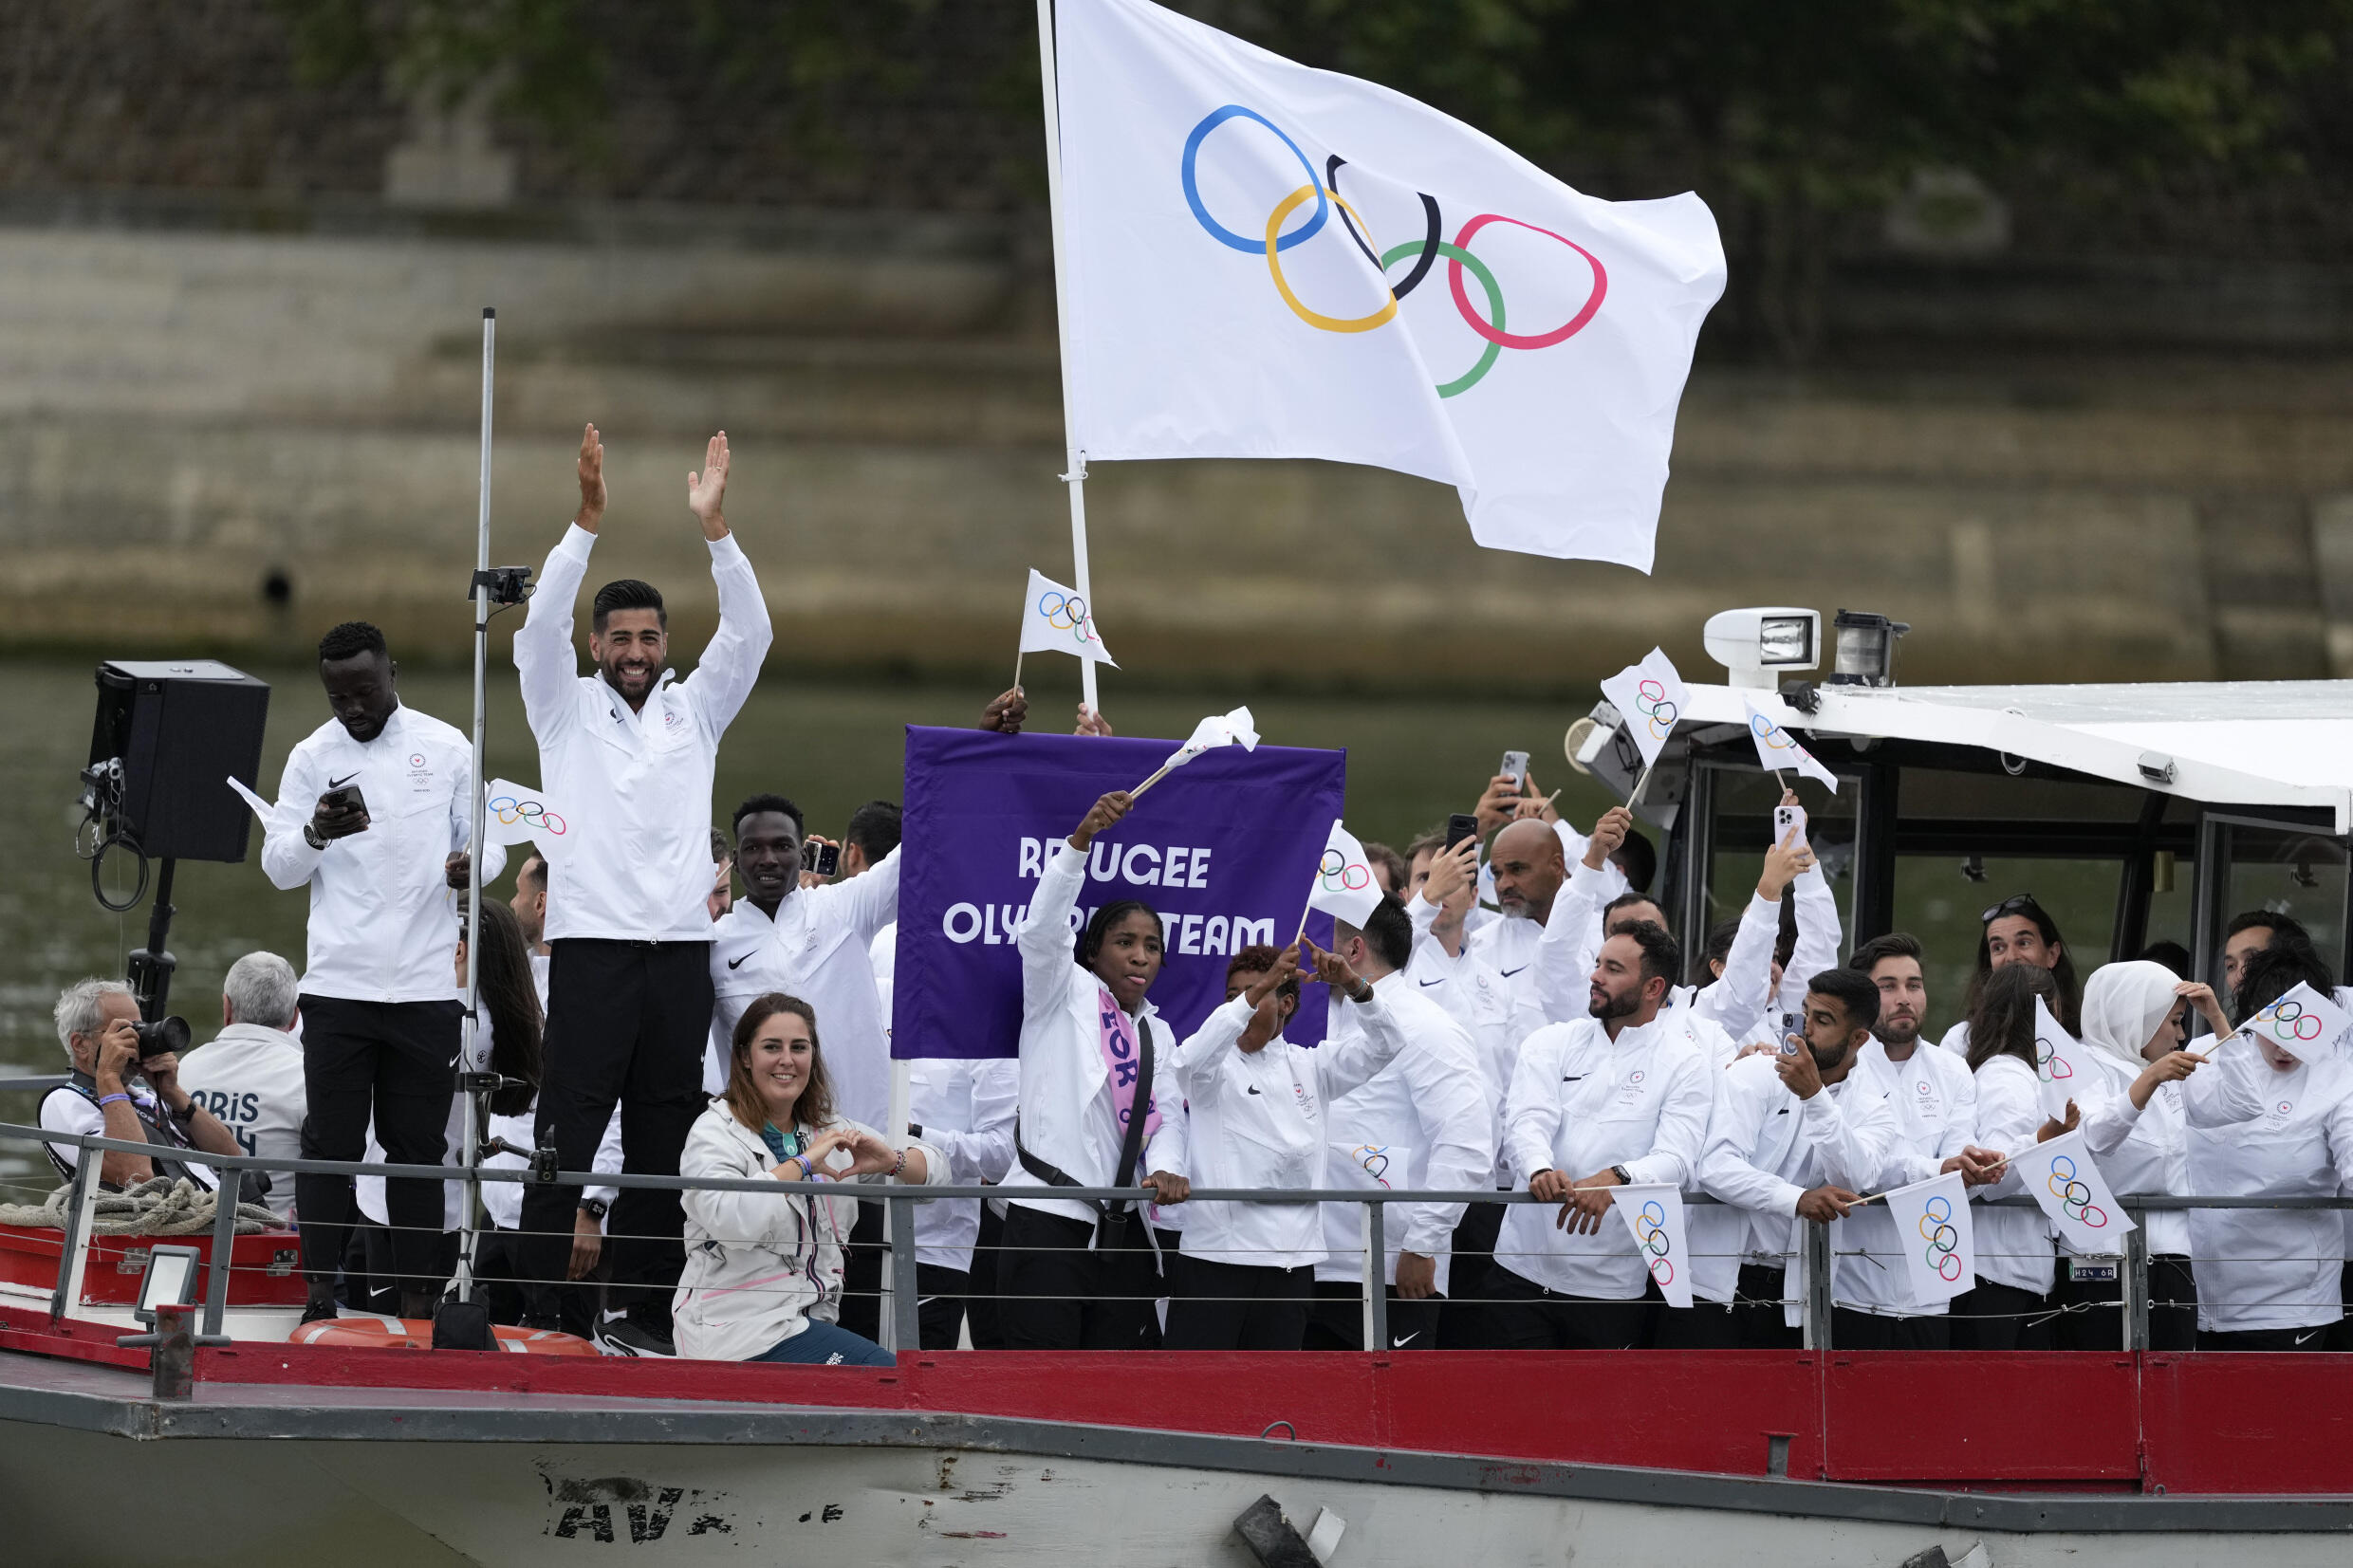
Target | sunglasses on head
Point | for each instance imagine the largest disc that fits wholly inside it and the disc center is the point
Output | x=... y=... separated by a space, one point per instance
x=2017 y=903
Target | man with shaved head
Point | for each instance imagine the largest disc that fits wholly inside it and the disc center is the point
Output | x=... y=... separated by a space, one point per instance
x=1529 y=867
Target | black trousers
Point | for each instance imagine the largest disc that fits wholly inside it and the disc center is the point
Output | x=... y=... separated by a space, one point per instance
x=1238 y=1306
x=1751 y=1321
x=2095 y=1316
x=397 y=1061
x=1336 y=1318
x=940 y=1304
x=1054 y=1293
x=627 y=1022
x=980 y=1293
x=1852 y=1330
x=1463 y=1325
x=1528 y=1316
x=496 y=1271
x=1999 y=1317
x=376 y=1245
x=861 y=1272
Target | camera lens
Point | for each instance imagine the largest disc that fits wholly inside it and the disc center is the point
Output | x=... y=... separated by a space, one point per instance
x=165 y=1035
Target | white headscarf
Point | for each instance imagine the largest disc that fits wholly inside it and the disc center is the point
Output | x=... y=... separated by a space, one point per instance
x=2125 y=1002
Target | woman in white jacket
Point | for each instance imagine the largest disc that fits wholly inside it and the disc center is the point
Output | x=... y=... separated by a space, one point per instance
x=2010 y=1307
x=2135 y=1020
x=762 y=1278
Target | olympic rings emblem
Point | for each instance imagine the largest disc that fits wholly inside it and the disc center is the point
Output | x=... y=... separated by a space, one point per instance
x=1651 y=699
x=510 y=811
x=1342 y=875
x=1650 y=1228
x=1944 y=1240
x=2049 y=1062
x=2289 y=1021
x=1426 y=251
x=1770 y=736
x=2075 y=1197
x=1068 y=613
x=1373 y=1158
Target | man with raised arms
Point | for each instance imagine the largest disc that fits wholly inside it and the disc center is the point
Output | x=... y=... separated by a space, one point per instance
x=631 y=751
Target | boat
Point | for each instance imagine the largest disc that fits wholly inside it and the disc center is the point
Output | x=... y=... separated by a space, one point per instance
x=2187 y=799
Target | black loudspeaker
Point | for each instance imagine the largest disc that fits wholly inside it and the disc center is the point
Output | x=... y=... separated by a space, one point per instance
x=181 y=729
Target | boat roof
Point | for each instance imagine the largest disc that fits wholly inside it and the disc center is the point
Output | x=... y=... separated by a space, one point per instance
x=2281 y=743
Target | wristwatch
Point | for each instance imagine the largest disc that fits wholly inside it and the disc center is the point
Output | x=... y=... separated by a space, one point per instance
x=311 y=835
x=1625 y=1177
x=593 y=1207
x=1362 y=995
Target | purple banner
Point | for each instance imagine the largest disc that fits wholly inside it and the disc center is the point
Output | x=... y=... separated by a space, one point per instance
x=1224 y=848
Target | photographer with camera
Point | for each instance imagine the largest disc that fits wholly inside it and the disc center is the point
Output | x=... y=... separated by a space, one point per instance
x=812 y=942
x=375 y=812
x=126 y=1085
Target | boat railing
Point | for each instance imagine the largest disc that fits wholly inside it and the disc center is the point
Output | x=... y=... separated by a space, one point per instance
x=901 y=1314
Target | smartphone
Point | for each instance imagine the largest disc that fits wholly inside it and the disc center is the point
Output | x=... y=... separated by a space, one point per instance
x=1515 y=765
x=824 y=859
x=1792 y=1033
x=1786 y=818
x=1459 y=827
x=346 y=799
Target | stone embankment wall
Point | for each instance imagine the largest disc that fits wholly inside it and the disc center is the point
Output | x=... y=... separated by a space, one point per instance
x=213 y=434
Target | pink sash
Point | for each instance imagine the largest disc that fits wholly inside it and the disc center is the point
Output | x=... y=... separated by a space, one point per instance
x=1120 y=1062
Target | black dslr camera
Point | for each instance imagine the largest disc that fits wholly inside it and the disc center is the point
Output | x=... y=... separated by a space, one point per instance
x=164 y=1037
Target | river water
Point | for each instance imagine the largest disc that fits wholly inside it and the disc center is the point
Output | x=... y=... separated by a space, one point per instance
x=831 y=744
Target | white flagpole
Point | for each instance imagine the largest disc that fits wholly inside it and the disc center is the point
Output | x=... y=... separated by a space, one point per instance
x=1076 y=475
x=474 y=844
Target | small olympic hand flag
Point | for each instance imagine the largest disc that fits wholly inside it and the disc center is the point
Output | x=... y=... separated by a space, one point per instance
x=2305 y=1023
x=2058 y=1064
x=515 y=815
x=1234 y=728
x=1343 y=886
x=1649 y=696
x=1934 y=1232
x=1054 y=619
x=2061 y=1176
x=1776 y=749
x=1653 y=1213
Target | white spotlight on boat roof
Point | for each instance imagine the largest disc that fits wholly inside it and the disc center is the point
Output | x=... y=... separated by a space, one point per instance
x=1753 y=644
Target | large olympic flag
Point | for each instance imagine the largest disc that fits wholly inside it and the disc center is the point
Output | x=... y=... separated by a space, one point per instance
x=1261 y=260
x=1223 y=849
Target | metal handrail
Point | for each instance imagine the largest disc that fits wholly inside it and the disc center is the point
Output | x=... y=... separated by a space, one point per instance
x=904 y=1320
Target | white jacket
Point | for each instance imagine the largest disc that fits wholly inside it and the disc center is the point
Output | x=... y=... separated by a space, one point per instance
x=251 y=1079
x=634 y=862
x=1582 y=1102
x=1466 y=987
x=1262 y=1119
x=1766 y=1147
x=1067 y=1115
x=2139 y=1150
x=818 y=949
x=383 y=917
x=2013 y=1244
x=966 y=1110
x=2255 y=1131
x=760 y=1267
x=1432 y=1099
x=1932 y=1099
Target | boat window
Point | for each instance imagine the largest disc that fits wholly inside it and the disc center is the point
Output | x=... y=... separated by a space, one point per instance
x=2288 y=870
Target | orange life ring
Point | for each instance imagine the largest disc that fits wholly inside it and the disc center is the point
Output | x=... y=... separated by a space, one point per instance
x=374 y=1333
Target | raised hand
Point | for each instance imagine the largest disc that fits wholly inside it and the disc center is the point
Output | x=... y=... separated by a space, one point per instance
x=591 y=480
x=1785 y=860
x=1608 y=834
x=1091 y=722
x=1333 y=970
x=1497 y=806
x=1100 y=816
x=707 y=490
x=1006 y=711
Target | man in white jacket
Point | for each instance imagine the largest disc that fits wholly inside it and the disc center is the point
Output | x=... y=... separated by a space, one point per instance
x=250 y=1074
x=631 y=753
x=1933 y=1097
x=1788 y=1142
x=1423 y=1122
x=375 y=813
x=1258 y=1110
x=1620 y=1096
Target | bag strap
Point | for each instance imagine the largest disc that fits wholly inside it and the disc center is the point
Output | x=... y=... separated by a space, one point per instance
x=1113 y=1214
